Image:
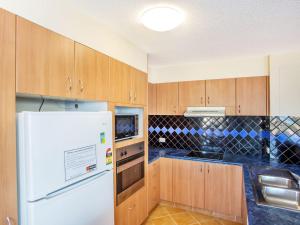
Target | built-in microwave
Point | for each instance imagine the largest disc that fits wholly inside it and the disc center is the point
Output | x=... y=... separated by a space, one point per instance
x=126 y=126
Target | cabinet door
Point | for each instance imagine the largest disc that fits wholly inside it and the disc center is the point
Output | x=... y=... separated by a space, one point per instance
x=221 y=93
x=153 y=185
x=166 y=179
x=152 y=99
x=91 y=73
x=142 y=209
x=181 y=182
x=139 y=85
x=251 y=96
x=8 y=178
x=197 y=184
x=223 y=189
x=167 y=100
x=119 y=82
x=122 y=213
x=44 y=61
x=191 y=93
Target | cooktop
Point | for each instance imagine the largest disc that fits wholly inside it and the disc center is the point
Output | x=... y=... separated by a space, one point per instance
x=205 y=155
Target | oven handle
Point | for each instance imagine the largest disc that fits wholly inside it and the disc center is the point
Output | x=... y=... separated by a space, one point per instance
x=132 y=163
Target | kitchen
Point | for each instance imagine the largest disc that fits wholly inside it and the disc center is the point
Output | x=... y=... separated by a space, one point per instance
x=149 y=112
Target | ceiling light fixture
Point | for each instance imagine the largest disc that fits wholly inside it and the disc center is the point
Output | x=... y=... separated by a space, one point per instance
x=162 y=18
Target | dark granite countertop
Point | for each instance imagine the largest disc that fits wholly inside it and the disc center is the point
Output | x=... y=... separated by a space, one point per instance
x=257 y=214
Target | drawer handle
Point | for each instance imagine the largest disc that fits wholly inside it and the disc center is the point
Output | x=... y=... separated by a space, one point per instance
x=81 y=85
x=70 y=83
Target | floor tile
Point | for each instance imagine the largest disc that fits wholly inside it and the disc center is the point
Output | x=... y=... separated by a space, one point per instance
x=168 y=215
x=166 y=220
x=159 y=211
x=184 y=219
x=173 y=210
x=201 y=217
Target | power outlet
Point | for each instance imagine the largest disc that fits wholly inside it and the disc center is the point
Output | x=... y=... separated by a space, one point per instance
x=161 y=140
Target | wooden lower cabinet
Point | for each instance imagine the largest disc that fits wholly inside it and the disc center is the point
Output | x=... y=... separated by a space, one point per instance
x=153 y=185
x=208 y=186
x=133 y=211
x=182 y=181
x=166 y=179
x=197 y=185
x=223 y=189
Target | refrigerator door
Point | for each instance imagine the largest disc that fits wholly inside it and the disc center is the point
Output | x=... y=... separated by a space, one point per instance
x=58 y=149
x=91 y=203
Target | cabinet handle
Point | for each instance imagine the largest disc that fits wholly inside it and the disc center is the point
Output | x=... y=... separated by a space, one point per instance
x=239 y=108
x=9 y=221
x=129 y=96
x=134 y=96
x=70 y=83
x=208 y=100
x=207 y=169
x=81 y=85
x=201 y=168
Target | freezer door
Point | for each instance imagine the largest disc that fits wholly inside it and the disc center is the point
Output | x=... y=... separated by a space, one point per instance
x=57 y=149
x=89 y=204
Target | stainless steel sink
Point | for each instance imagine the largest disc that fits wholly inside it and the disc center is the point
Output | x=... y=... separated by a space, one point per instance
x=277 y=188
x=278 y=178
x=281 y=197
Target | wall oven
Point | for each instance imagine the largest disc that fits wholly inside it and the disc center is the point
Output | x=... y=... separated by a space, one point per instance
x=126 y=126
x=130 y=170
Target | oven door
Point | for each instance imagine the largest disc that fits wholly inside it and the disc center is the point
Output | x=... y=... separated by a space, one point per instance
x=130 y=176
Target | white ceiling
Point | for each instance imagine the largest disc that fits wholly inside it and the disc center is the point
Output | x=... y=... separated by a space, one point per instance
x=213 y=30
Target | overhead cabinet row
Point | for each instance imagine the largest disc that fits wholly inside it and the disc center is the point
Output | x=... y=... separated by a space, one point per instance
x=50 y=64
x=240 y=96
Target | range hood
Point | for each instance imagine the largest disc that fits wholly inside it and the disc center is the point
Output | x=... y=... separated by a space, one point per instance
x=204 y=111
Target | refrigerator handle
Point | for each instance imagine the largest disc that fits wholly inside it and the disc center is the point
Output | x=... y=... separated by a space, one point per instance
x=75 y=185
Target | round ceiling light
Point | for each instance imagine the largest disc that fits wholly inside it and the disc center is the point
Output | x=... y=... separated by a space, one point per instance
x=162 y=18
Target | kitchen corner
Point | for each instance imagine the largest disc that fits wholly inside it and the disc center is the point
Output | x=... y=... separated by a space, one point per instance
x=257 y=215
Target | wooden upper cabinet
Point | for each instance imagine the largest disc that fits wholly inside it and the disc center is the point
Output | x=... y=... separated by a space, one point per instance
x=44 y=61
x=251 y=96
x=91 y=74
x=166 y=179
x=167 y=99
x=8 y=167
x=151 y=99
x=221 y=93
x=139 y=87
x=223 y=189
x=119 y=82
x=191 y=93
x=182 y=182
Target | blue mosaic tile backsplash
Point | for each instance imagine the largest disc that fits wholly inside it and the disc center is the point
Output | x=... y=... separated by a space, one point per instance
x=275 y=137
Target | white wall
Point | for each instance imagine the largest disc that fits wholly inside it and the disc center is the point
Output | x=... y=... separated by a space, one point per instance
x=253 y=66
x=285 y=84
x=61 y=17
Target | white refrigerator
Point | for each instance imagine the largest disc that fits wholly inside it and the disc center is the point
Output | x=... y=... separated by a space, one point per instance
x=65 y=167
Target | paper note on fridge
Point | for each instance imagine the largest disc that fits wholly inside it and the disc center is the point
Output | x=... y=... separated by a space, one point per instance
x=80 y=161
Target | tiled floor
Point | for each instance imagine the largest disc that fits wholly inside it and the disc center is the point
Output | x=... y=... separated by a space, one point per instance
x=166 y=215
